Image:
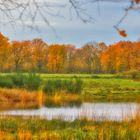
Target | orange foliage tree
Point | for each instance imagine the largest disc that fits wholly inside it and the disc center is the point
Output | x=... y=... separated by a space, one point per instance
x=39 y=54
x=56 y=58
x=4 y=52
x=121 y=56
x=91 y=58
x=20 y=54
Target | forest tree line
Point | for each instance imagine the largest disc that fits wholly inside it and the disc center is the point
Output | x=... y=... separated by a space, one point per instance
x=38 y=56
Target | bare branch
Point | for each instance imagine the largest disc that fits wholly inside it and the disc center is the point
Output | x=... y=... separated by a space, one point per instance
x=26 y=12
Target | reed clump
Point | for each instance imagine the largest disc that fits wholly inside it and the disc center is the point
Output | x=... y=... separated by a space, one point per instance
x=73 y=86
x=30 y=81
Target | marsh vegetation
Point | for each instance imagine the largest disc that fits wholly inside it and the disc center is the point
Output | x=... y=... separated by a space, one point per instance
x=33 y=92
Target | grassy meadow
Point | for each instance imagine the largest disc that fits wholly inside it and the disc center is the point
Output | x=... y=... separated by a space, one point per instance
x=24 y=91
x=68 y=88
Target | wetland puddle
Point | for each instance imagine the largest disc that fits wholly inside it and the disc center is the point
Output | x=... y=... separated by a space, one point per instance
x=94 y=111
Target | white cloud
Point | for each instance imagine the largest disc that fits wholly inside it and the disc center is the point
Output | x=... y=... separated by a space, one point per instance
x=74 y=31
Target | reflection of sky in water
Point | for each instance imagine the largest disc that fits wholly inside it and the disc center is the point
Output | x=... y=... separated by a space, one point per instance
x=98 y=111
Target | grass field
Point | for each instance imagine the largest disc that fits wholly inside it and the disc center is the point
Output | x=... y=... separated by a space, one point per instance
x=104 y=87
x=33 y=91
x=95 y=88
x=61 y=89
x=36 y=129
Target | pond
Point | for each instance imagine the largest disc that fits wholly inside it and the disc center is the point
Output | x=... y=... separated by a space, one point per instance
x=94 y=111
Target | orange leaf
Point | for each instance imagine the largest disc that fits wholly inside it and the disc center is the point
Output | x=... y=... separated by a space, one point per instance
x=122 y=33
x=136 y=1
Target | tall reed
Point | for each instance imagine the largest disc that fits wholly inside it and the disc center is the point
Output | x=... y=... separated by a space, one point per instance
x=68 y=85
x=30 y=81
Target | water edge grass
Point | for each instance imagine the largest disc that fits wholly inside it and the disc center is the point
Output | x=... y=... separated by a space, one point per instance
x=32 y=129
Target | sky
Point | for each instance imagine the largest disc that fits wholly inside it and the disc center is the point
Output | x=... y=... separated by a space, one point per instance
x=69 y=29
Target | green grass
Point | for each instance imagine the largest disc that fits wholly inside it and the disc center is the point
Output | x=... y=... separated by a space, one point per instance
x=101 y=87
x=113 y=89
x=36 y=129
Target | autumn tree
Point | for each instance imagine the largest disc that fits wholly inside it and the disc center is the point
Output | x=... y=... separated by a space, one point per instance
x=70 y=52
x=130 y=54
x=136 y=54
x=20 y=54
x=109 y=58
x=56 y=58
x=4 y=52
x=121 y=56
x=77 y=62
x=102 y=47
x=39 y=54
x=90 y=55
x=87 y=58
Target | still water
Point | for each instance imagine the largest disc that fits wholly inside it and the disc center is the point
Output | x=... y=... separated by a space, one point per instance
x=94 y=111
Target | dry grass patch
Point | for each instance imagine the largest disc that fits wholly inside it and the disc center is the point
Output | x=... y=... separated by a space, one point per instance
x=16 y=98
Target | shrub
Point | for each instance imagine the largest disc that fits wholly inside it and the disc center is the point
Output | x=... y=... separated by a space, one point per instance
x=29 y=81
x=32 y=81
x=52 y=85
x=49 y=86
x=78 y=85
x=71 y=86
x=95 y=76
x=5 y=81
x=18 y=80
x=134 y=74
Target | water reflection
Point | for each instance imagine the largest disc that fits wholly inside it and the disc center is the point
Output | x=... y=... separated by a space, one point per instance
x=95 y=111
x=50 y=103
